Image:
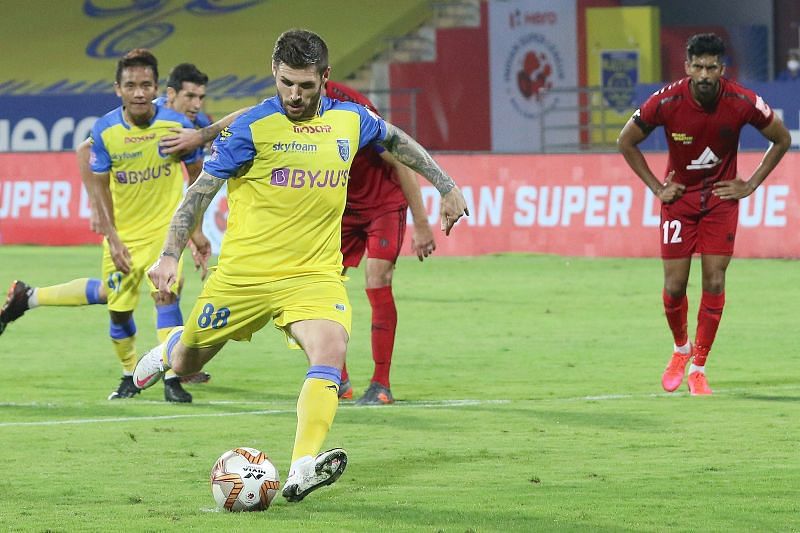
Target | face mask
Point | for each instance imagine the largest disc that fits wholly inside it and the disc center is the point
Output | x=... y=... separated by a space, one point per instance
x=793 y=65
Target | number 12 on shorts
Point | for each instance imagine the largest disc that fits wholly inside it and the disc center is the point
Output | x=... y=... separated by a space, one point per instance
x=216 y=318
x=672 y=231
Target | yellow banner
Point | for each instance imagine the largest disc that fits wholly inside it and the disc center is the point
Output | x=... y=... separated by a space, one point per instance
x=622 y=50
x=72 y=46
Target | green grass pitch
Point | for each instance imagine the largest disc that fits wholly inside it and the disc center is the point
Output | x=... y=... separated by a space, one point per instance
x=529 y=400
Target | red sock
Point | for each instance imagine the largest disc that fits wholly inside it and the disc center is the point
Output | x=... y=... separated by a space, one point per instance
x=345 y=376
x=708 y=318
x=676 y=310
x=384 y=324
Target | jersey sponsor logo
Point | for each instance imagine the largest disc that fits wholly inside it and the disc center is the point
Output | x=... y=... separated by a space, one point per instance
x=682 y=138
x=298 y=178
x=762 y=106
x=131 y=177
x=344 y=149
x=311 y=129
x=125 y=156
x=708 y=159
x=294 y=146
x=139 y=138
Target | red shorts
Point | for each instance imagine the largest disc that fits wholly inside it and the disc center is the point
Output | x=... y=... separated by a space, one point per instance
x=380 y=234
x=688 y=227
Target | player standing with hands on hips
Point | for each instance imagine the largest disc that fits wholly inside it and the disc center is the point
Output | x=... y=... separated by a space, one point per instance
x=702 y=115
x=286 y=163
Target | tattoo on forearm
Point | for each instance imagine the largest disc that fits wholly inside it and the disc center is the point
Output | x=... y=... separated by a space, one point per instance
x=410 y=153
x=198 y=197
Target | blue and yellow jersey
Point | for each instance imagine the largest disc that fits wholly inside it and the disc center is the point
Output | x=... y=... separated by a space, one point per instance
x=146 y=186
x=200 y=121
x=287 y=184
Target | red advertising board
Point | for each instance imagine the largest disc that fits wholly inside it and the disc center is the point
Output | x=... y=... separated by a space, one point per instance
x=593 y=205
x=581 y=205
x=42 y=200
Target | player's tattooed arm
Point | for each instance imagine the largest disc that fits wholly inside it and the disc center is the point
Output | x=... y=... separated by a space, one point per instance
x=410 y=153
x=190 y=212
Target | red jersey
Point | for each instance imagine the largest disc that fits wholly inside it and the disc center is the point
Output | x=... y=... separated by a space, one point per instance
x=373 y=185
x=703 y=141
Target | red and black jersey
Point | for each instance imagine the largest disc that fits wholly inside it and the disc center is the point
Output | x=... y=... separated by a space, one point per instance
x=703 y=141
x=373 y=185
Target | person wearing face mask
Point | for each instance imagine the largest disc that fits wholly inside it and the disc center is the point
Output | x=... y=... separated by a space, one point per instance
x=792 y=70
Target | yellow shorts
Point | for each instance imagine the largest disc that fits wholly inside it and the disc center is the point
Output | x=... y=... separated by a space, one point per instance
x=230 y=312
x=123 y=289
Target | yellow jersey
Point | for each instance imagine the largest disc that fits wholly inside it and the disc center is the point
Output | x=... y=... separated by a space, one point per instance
x=146 y=185
x=287 y=185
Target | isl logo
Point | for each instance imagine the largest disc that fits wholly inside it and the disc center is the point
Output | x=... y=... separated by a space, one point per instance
x=532 y=69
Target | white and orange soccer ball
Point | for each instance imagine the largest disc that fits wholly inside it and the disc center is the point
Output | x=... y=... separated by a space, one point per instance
x=244 y=479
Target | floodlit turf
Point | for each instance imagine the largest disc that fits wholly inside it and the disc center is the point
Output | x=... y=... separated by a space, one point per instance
x=567 y=430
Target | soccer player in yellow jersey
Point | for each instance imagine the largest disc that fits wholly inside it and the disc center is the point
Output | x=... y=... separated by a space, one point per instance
x=286 y=162
x=135 y=209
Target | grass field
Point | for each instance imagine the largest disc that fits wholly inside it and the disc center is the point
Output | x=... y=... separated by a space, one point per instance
x=529 y=400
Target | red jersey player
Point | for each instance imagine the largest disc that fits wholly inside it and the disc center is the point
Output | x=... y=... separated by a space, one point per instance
x=702 y=116
x=378 y=195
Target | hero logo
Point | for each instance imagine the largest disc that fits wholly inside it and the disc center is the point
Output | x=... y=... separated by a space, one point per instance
x=31 y=135
x=707 y=159
x=297 y=178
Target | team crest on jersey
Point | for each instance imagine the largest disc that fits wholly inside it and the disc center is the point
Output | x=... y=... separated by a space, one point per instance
x=344 y=149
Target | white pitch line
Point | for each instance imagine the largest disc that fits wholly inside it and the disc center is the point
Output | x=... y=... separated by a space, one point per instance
x=402 y=405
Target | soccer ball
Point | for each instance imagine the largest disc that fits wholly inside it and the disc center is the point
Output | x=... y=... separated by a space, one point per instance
x=244 y=479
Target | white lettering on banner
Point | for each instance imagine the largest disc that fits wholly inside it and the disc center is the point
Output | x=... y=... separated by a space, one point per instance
x=489 y=207
x=84 y=210
x=766 y=206
x=651 y=217
x=43 y=199
x=559 y=207
x=596 y=205
x=30 y=135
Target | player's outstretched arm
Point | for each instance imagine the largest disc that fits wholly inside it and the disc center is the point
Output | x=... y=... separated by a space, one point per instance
x=422 y=241
x=185 y=140
x=413 y=155
x=781 y=140
x=195 y=202
x=628 y=145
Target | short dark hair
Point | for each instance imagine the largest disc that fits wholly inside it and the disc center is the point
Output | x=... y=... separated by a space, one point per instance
x=185 y=72
x=138 y=57
x=300 y=49
x=705 y=44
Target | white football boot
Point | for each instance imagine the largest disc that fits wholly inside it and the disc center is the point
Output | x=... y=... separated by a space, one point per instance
x=150 y=368
x=309 y=474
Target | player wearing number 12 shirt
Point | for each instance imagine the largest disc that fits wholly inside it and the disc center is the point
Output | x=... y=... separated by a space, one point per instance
x=702 y=116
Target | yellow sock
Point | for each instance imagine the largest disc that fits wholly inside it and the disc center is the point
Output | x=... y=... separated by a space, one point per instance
x=83 y=291
x=316 y=407
x=126 y=352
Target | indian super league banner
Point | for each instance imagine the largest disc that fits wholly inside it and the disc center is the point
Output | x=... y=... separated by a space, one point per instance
x=567 y=204
x=532 y=59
